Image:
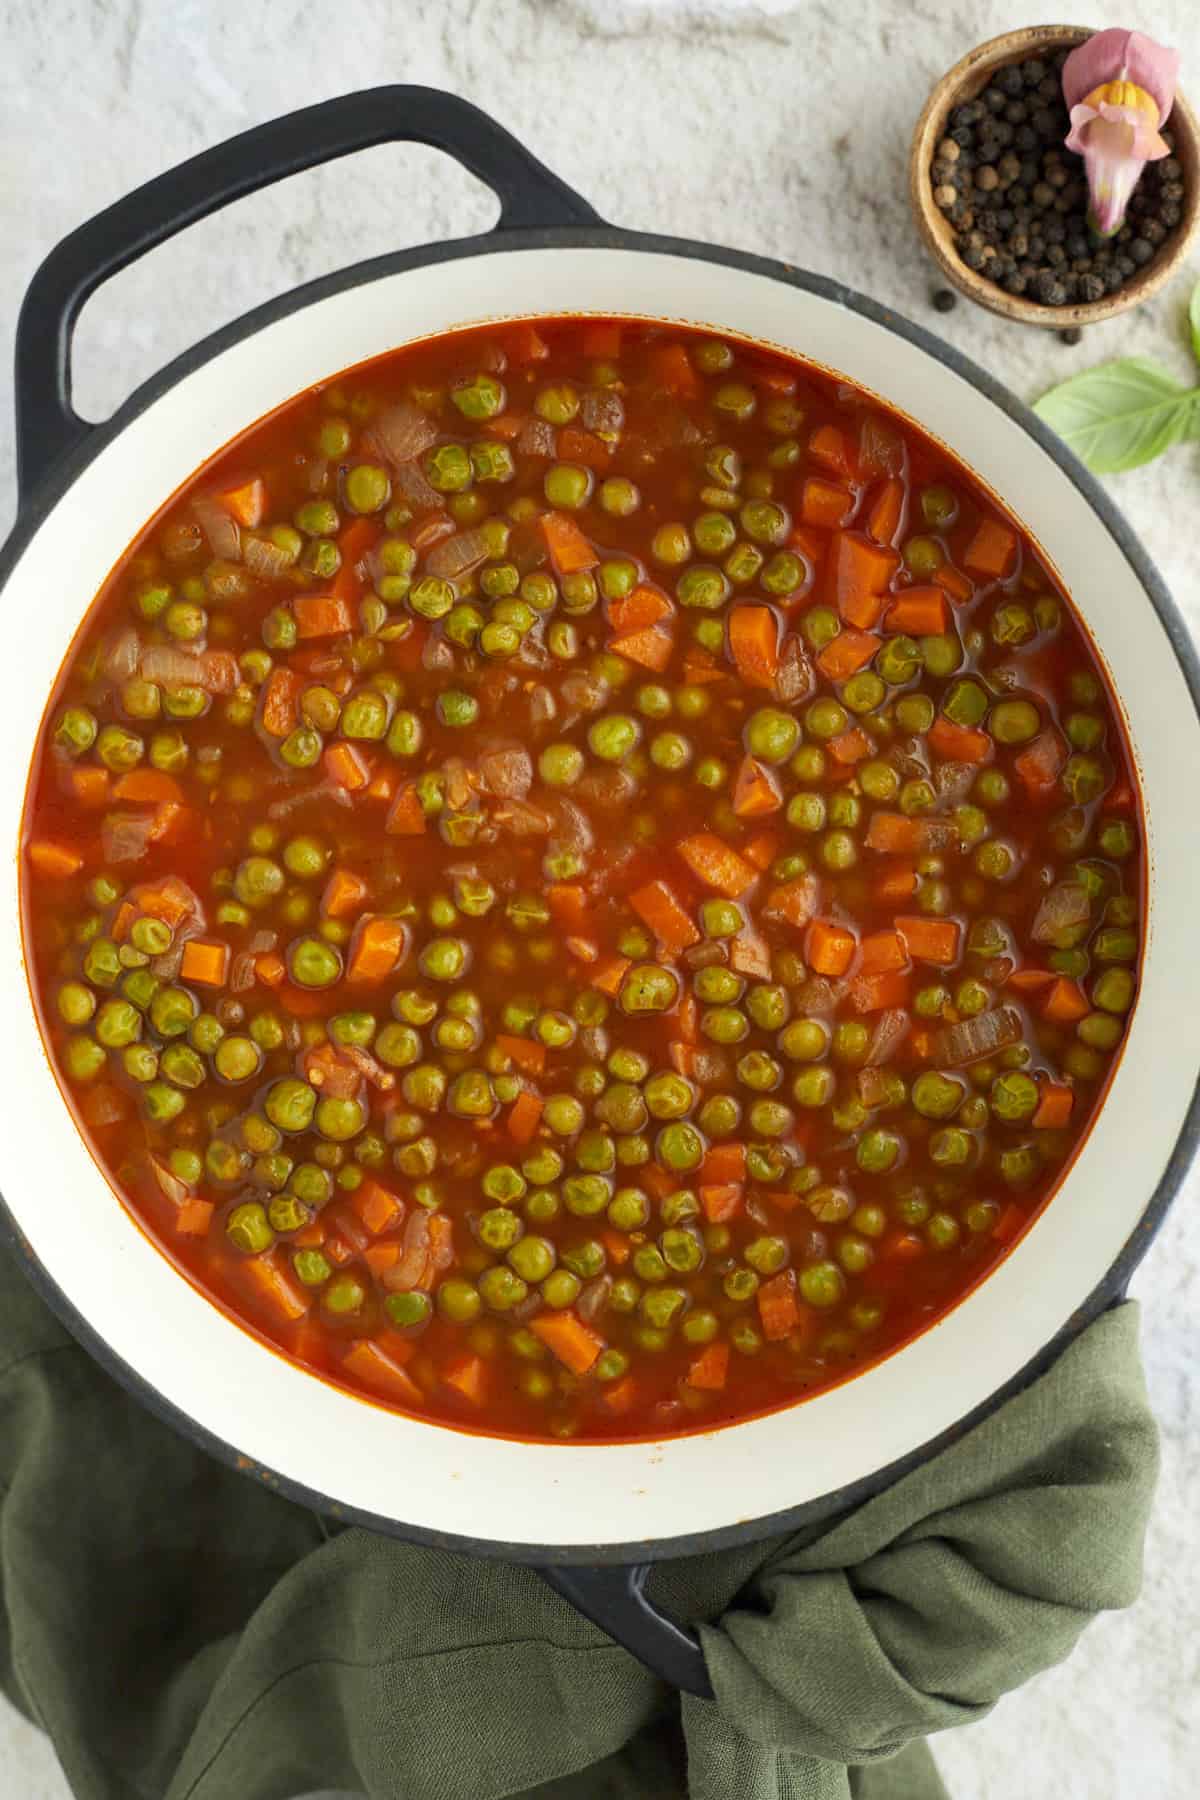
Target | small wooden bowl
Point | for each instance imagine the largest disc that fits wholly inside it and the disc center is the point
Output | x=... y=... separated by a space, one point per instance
x=963 y=82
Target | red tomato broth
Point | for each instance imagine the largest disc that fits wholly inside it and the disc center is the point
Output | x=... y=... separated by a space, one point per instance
x=661 y=442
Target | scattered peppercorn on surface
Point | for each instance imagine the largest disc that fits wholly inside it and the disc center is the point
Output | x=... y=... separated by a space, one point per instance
x=584 y=880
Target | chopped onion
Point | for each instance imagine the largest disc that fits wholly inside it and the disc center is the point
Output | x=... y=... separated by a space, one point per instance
x=593 y=1298
x=819 y=994
x=224 y=538
x=890 y=1030
x=175 y=1190
x=409 y=481
x=603 y=410
x=522 y=819
x=972 y=1038
x=507 y=771
x=402 y=433
x=126 y=836
x=455 y=555
x=538 y=438
x=409 y=1272
x=1064 y=909
x=121 y=655
x=216 y=671
x=542 y=705
x=266 y=560
x=241 y=972
x=793 y=678
x=953 y=781
x=881 y=446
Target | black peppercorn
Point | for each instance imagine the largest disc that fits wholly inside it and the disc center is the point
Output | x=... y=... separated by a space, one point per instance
x=1015 y=283
x=1033 y=70
x=1170 y=212
x=1010 y=82
x=1141 y=251
x=994 y=99
x=1091 y=287
x=1071 y=335
x=944 y=300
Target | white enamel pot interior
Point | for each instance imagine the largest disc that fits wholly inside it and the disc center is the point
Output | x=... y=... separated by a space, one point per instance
x=532 y=1498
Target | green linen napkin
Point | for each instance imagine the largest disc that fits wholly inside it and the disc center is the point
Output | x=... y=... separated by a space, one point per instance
x=182 y=1633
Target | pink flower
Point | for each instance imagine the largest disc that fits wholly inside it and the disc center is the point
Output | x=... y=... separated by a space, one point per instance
x=1120 y=87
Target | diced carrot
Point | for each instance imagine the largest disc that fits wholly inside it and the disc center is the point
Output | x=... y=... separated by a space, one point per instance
x=721 y=1200
x=57 y=861
x=958 y=743
x=920 y=1043
x=651 y=649
x=127 y=912
x=1009 y=1223
x=310 y=1236
x=618 y=1396
x=809 y=542
x=1065 y=1002
x=778 y=1308
x=167 y=824
x=709 y=1370
x=269 y=968
x=1029 y=981
x=847 y=653
x=880 y=993
x=796 y=901
x=895 y=831
x=601 y=338
x=923 y=611
x=347 y=766
x=1054 y=1108
x=568 y=902
x=903 y=1246
x=248 y=503
x=656 y=906
x=700 y=668
x=990 y=551
x=754 y=644
x=194 y=1218
x=524 y=1117
x=321 y=615
x=148 y=787
x=468 y=1376
x=302 y=1003
x=671 y=370
x=829 y=948
x=617 y=1245
x=89 y=785
x=830 y=445
x=406 y=816
x=783 y=1199
x=382 y=785
x=376 y=949
x=756 y=790
x=1040 y=766
x=849 y=747
x=930 y=939
x=723 y=1163
x=952 y=581
x=884 y=511
x=337 y=1249
x=272 y=1281
x=525 y=343
x=1119 y=797
x=280 y=702
x=566 y=1336
x=377 y=1207
x=584 y=447
x=379 y=1258
x=608 y=974
x=825 y=504
x=750 y=955
x=527 y=1053
x=762 y=850
x=645 y=606
x=898 y=881
x=379 y=1371
x=347 y=585
x=569 y=550
x=344 y=893
x=856 y=577
x=716 y=864
x=883 y=950
x=204 y=962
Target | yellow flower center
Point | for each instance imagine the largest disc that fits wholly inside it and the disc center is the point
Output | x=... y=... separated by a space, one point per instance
x=1124 y=93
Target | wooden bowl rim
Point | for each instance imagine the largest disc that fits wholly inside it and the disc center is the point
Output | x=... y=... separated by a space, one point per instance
x=964 y=80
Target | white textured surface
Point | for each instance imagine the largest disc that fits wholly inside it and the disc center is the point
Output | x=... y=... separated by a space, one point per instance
x=774 y=128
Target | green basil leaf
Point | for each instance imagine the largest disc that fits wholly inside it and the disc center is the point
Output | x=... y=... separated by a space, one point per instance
x=1194 y=319
x=1121 y=414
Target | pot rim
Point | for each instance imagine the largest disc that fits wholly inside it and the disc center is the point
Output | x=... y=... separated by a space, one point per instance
x=1109 y=1289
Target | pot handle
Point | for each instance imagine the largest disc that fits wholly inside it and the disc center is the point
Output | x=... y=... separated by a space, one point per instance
x=616 y=1600
x=529 y=194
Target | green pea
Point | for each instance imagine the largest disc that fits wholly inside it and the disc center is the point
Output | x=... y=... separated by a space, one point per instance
x=619 y=497
x=568 y=485
x=771 y=735
x=822 y=1284
x=290 y=1103
x=937 y=1096
x=76 y=1003
x=458 y=1301
x=1014 y=721
x=814 y=1087
x=825 y=719
x=648 y=988
x=560 y=1289
x=613 y=737
x=950 y=1148
x=1113 y=990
